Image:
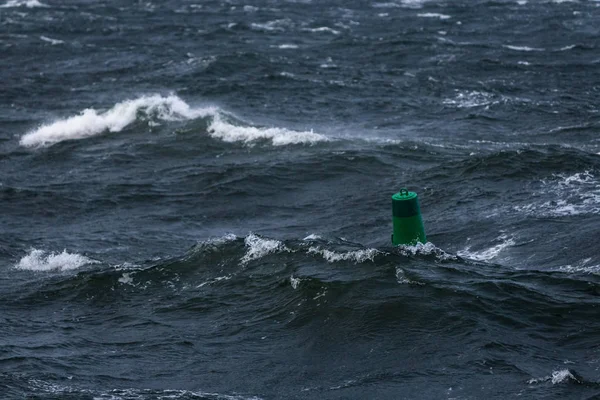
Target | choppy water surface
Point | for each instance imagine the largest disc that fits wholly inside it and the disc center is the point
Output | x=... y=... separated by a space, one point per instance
x=196 y=199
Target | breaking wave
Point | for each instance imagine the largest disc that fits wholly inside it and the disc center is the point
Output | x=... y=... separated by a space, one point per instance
x=91 y=123
x=358 y=256
x=258 y=247
x=39 y=260
x=166 y=108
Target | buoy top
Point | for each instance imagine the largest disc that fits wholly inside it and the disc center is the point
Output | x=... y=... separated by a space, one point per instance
x=404 y=194
x=405 y=204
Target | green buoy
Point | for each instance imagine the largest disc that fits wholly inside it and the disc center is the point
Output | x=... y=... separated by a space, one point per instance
x=406 y=218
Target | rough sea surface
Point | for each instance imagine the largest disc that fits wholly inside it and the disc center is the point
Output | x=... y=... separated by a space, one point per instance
x=195 y=199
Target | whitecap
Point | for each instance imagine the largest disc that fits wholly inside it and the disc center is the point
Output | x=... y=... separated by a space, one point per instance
x=220 y=240
x=581 y=268
x=558 y=376
x=39 y=260
x=425 y=249
x=434 y=15
x=51 y=41
x=287 y=46
x=403 y=280
x=569 y=47
x=258 y=247
x=470 y=99
x=212 y=244
x=401 y=3
x=295 y=282
x=131 y=393
x=569 y=195
x=226 y=132
x=23 y=3
x=277 y=25
x=358 y=256
x=91 y=122
x=322 y=29
x=215 y=280
x=522 y=48
x=312 y=236
x=386 y=5
x=489 y=253
x=126 y=279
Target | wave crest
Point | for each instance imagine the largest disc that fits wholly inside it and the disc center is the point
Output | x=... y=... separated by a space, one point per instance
x=219 y=129
x=358 y=256
x=259 y=247
x=39 y=260
x=166 y=108
x=91 y=123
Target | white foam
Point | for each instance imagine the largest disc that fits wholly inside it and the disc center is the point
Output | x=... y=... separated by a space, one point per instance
x=247 y=134
x=559 y=376
x=131 y=393
x=386 y=5
x=295 y=282
x=39 y=260
x=214 y=280
x=592 y=269
x=434 y=15
x=581 y=267
x=170 y=108
x=322 y=29
x=126 y=279
x=250 y=8
x=490 y=253
x=562 y=376
x=51 y=41
x=287 y=46
x=91 y=123
x=312 y=236
x=402 y=3
x=470 y=99
x=403 y=280
x=426 y=249
x=212 y=244
x=569 y=47
x=358 y=256
x=219 y=241
x=23 y=3
x=127 y=266
x=522 y=48
x=574 y=194
x=413 y=3
x=258 y=247
x=277 y=25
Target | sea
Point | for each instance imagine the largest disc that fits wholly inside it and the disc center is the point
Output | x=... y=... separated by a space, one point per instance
x=195 y=199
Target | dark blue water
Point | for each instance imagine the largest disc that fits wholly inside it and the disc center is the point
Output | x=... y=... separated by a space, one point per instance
x=195 y=199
